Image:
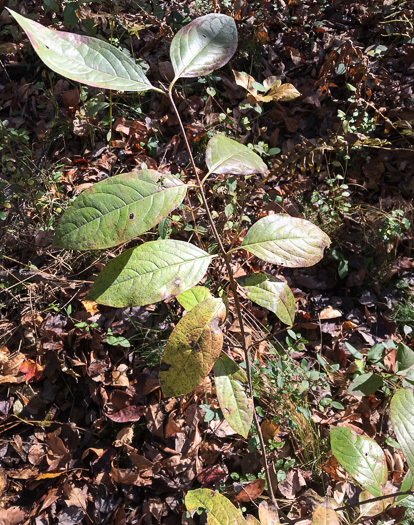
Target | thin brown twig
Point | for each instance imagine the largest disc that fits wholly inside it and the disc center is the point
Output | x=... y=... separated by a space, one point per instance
x=233 y=287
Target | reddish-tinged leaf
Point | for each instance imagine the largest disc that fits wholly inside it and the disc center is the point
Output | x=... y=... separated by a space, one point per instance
x=211 y=475
x=128 y=414
x=250 y=491
x=32 y=370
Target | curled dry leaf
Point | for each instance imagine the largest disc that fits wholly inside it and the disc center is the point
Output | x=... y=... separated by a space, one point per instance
x=274 y=89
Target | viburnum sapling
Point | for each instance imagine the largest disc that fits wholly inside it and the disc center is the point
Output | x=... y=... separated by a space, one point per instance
x=125 y=206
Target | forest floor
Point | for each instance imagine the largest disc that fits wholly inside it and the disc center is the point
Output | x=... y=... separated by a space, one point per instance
x=85 y=434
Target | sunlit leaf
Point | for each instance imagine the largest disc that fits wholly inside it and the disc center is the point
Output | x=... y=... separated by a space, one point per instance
x=365 y=384
x=361 y=457
x=204 y=45
x=192 y=348
x=220 y=510
x=274 y=89
x=325 y=515
x=236 y=406
x=287 y=241
x=118 y=209
x=268 y=513
x=227 y=156
x=84 y=59
x=402 y=418
x=404 y=359
x=271 y=293
x=375 y=507
x=282 y=93
x=150 y=273
x=193 y=296
x=407 y=500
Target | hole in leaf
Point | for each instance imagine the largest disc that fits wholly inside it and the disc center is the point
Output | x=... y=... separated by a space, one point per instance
x=131 y=216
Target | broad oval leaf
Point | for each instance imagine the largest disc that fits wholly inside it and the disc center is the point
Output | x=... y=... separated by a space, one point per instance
x=84 y=59
x=404 y=359
x=324 y=515
x=361 y=457
x=226 y=156
x=374 y=507
x=205 y=44
x=236 y=406
x=150 y=273
x=287 y=241
x=271 y=293
x=402 y=418
x=365 y=384
x=220 y=510
x=193 y=296
x=118 y=209
x=192 y=348
x=268 y=513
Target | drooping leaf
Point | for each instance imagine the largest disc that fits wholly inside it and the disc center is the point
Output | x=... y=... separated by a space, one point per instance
x=404 y=359
x=236 y=406
x=365 y=384
x=226 y=156
x=271 y=293
x=204 y=45
x=361 y=457
x=192 y=348
x=402 y=418
x=193 y=296
x=84 y=59
x=325 y=515
x=118 y=209
x=220 y=510
x=150 y=273
x=287 y=241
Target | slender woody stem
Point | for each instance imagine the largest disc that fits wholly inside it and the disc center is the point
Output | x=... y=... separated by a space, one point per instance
x=233 y=287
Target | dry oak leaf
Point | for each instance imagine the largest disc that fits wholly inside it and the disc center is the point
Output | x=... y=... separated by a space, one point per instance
x=274 y=89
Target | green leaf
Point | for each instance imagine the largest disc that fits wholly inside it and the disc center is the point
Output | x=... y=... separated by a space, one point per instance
x=404 y=359
x=356 y=353
x=271 y=293
x=220 y=510
x=365 y=384
x=118 y=209
x=402 y=418
x=193 y=296
x=150 y=273
x=205 y=44
x=84 y=59
x=361 y=457
x=236 y=406
x=407 y=484
x=192 y=348
x=226 y=156
x=287 y=241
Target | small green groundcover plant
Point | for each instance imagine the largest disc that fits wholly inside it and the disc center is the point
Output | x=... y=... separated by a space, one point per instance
x=125 y=206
